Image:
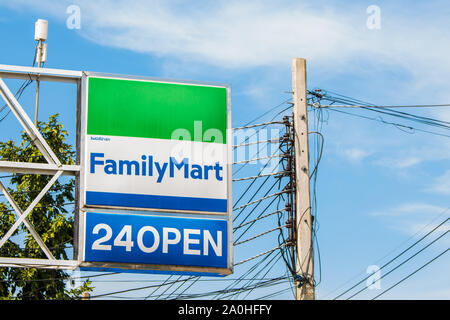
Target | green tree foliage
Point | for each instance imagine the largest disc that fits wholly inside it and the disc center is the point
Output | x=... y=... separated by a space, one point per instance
x=51 y=219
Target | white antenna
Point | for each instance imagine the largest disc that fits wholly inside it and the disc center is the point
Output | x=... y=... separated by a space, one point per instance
x=40 y=35
x=40 y=30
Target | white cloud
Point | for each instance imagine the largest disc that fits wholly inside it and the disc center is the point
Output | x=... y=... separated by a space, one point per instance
x=232 y=34
x=414 y=219
x=441 y=184
x=355 y=154
x=409 y=209
x=237 y=34
x=403 y=152
x=258 y=33
x=398 y=163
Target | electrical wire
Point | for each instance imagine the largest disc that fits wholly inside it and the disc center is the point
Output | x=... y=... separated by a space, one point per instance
x=413 y=273
x=21 y=89
x=402 y=263
x=396 y=257
x=389 y=107
x=267 y=112
x=415 y=235
x=324 y=95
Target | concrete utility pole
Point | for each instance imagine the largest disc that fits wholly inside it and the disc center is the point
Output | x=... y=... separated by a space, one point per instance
x=305 y=259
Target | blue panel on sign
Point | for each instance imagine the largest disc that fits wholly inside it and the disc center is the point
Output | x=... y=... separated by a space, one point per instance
x=131 y=238
x=153 y=201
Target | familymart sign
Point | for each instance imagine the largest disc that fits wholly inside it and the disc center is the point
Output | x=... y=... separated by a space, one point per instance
x=156 y=146
x=152 y=152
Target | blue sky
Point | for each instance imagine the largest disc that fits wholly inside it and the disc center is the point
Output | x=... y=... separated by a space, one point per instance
x=377 y=185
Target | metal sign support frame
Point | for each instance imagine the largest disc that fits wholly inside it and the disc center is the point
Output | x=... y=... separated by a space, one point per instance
x=53 y=166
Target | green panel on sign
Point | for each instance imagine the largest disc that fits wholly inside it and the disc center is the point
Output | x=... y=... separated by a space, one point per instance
x=145 y=109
